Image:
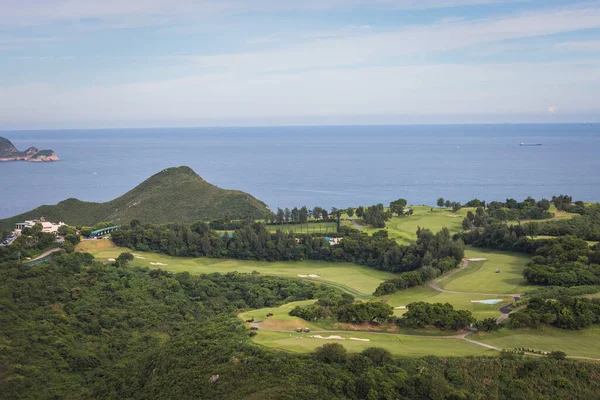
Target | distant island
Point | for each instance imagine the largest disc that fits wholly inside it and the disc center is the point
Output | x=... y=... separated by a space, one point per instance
x=8 y=152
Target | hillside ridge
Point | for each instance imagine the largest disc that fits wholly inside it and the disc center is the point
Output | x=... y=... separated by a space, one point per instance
x=172 y=195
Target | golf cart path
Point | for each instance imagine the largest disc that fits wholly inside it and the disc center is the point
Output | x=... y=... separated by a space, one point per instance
x=434 y=284
x=45 y=254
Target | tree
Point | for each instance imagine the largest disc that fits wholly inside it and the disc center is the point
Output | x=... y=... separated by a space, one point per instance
x=124 y=259
x=350 y=212
x=280 y=217
x=378 y=355
x=397 y=206
x=456 y=206
x=288 y=215
x=331 y=353
x=440 y=202
x=531 y=229
x=86 y=232
x=317 y=212
x=448 y=203
x=360 y=212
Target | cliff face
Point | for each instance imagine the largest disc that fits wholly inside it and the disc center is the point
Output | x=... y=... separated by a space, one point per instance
x=8 y=152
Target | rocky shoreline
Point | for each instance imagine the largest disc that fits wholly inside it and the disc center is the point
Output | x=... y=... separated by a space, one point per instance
x=8 y=152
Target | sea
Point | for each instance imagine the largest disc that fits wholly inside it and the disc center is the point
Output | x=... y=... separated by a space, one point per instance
x=327 y=166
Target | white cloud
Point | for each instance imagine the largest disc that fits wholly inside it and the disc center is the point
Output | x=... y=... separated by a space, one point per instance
x=419 y=90
x=580 y=46
x=41 y=11
x=426 y=39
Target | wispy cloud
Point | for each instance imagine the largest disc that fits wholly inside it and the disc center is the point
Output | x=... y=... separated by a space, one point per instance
x=43 y=11
x=424 y=90
x=10 y=43
x=579 y=46
x=422 y=39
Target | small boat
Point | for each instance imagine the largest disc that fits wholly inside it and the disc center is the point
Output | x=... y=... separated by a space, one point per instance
x=530 y=144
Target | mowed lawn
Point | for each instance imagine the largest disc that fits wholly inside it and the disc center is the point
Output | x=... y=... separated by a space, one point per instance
x=583 y=343
x=358 y=280
x=404 y=229
x=481 y=276
x=396 y=344
x=459 y=301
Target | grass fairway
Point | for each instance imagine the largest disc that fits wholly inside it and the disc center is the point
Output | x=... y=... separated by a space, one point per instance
x=396 y=344
x=358 y=280
x=404 y=229
x=583 y=343
x=459 y=301
x=481 y=276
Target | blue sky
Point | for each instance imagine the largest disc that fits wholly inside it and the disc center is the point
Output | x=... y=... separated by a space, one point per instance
x=146 y=63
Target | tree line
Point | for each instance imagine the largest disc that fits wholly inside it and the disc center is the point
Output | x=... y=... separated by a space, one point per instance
x=255 y=242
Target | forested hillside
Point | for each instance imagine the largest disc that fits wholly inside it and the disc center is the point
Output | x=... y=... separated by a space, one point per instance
x=172 y=195
x=78 y=329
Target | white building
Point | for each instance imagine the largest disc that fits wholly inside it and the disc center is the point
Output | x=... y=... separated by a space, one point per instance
x=48 y=227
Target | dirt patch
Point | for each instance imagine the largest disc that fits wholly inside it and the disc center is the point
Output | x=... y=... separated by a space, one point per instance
x=365 y=327
x=96 y=245
x=283 y=325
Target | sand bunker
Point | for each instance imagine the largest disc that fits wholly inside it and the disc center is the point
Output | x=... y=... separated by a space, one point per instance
x=140 y=257
x=362 y=340
x=157 y=263
x=400 y=308
x=490 y=301
x=328 y=337
x=303 y=276
x=476 y=259
x=111 y=259
x=308 y=276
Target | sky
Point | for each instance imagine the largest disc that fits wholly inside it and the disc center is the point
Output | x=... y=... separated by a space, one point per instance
x=168 y=63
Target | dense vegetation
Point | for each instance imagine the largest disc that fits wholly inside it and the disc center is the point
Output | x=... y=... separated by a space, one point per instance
x=562 y=261
x=585 y=226
x=419 y=314
x=255 y=242
x=77 y=329
x=443 y=316
x=174 y=194
x=563 y=312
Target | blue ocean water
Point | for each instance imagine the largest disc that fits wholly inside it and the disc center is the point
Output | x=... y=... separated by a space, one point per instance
x=326 y=166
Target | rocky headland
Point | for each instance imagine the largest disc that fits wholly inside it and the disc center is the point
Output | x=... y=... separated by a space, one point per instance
x=8 y=152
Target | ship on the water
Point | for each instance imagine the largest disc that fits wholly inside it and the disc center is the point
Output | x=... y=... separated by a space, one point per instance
x=530 y=144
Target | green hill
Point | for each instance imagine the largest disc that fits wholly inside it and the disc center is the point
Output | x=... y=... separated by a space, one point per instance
x=172 y=195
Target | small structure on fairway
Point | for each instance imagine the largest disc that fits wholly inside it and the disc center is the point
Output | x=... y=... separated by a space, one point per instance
x=497 y=271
